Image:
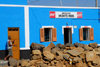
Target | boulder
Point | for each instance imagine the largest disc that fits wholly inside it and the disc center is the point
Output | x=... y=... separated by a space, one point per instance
x=48 y=55
x=77 y=59
x=54 y=50
x=36 y=52
x=24 y=63
x=36 y=57
x=87 y=48
x=13 y=62
x=78 y=45
x=66 y=56
x=76 y=51
x=35 y=46
x=49 y=47
x=61 y=46
x=93 y=45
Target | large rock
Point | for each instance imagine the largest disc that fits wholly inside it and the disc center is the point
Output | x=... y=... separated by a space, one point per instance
x=35 y=46
x=78 y=45
x=87 y=48
x=69 y=45
x=49 y=47
x=91 y=56
x=61 y=46
x=66 y=56
x=13 y=62
x=36 y=52
x=24 y=63
x=93 y=45
x=54 y=50
x=48 y=55
x=76 y=51
x=77 y=59
x=36 y=57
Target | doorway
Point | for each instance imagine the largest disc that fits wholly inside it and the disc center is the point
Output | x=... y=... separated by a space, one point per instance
x=67 y=35
x=14 y=34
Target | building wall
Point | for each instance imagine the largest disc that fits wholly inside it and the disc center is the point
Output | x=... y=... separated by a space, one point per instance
x=11 y=17
x=14 y=16
x=39 y=17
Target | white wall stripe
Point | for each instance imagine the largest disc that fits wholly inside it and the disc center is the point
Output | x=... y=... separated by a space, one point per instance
x=27 y=41
x=6 y=5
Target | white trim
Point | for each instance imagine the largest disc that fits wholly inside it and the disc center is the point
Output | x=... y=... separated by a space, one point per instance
x=6 y=5
x=85 y=26
x=98 y=44
x=65 y=27
x=24 y=48
x=47 y=26
x=27 y=41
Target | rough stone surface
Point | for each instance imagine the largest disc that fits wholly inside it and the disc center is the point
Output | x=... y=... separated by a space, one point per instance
x=48 y=55
x=93 y=45
x=24 y=63
x=76 y=51
x=36 y=52
x=13 y=62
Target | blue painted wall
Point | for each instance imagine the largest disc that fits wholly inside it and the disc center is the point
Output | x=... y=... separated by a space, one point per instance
x=11 y=17
x=40 y=17
x=18 y=2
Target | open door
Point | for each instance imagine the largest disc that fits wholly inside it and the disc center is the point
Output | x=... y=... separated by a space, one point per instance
x=14 y=34
x=67 y=35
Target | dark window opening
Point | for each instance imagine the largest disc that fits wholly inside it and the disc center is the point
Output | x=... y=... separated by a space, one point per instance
x=86 y=33
x=48 y=34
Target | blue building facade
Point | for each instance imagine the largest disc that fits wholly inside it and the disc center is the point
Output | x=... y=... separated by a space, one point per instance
x=31 y=19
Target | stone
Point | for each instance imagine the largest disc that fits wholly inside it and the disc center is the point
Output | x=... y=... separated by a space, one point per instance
x=49 y=47
x=59 y=58
x=87 y=48
x=59 y=46
x=35 y=46
x=81 y=64
x=78 y=45
x=36 y=57
x=77 y=59
x=24 y=63
x=13 y=62
x=93 y=45
x=76 y=51
x=36 y=52
x=48 y=55
x=32 y=62
x=90 y=56
x=66 y=56
x=59 y=65
x=54 y=50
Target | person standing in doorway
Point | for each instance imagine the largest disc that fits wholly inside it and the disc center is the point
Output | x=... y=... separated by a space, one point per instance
x=9 y=46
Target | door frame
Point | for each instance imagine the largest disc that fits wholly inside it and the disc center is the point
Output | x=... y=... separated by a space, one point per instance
x=18 y=35
x=63 y=27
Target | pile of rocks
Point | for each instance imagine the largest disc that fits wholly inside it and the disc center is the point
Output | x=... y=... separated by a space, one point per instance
x=76 y=55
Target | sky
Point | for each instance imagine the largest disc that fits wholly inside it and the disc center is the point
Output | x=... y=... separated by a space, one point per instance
x=81 y=3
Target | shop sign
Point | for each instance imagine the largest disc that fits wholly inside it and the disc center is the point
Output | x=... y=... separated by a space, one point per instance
x=56 y=14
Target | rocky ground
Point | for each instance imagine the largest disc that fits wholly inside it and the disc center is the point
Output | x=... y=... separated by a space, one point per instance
x=76 y=55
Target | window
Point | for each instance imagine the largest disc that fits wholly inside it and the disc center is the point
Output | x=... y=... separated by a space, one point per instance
x=86 y=34
x=48 y=34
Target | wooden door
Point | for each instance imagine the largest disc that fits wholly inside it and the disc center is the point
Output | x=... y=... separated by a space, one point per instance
x=14 y=34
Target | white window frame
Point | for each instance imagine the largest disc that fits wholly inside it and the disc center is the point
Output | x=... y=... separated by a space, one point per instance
x=68 y=27
x=51 y=32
